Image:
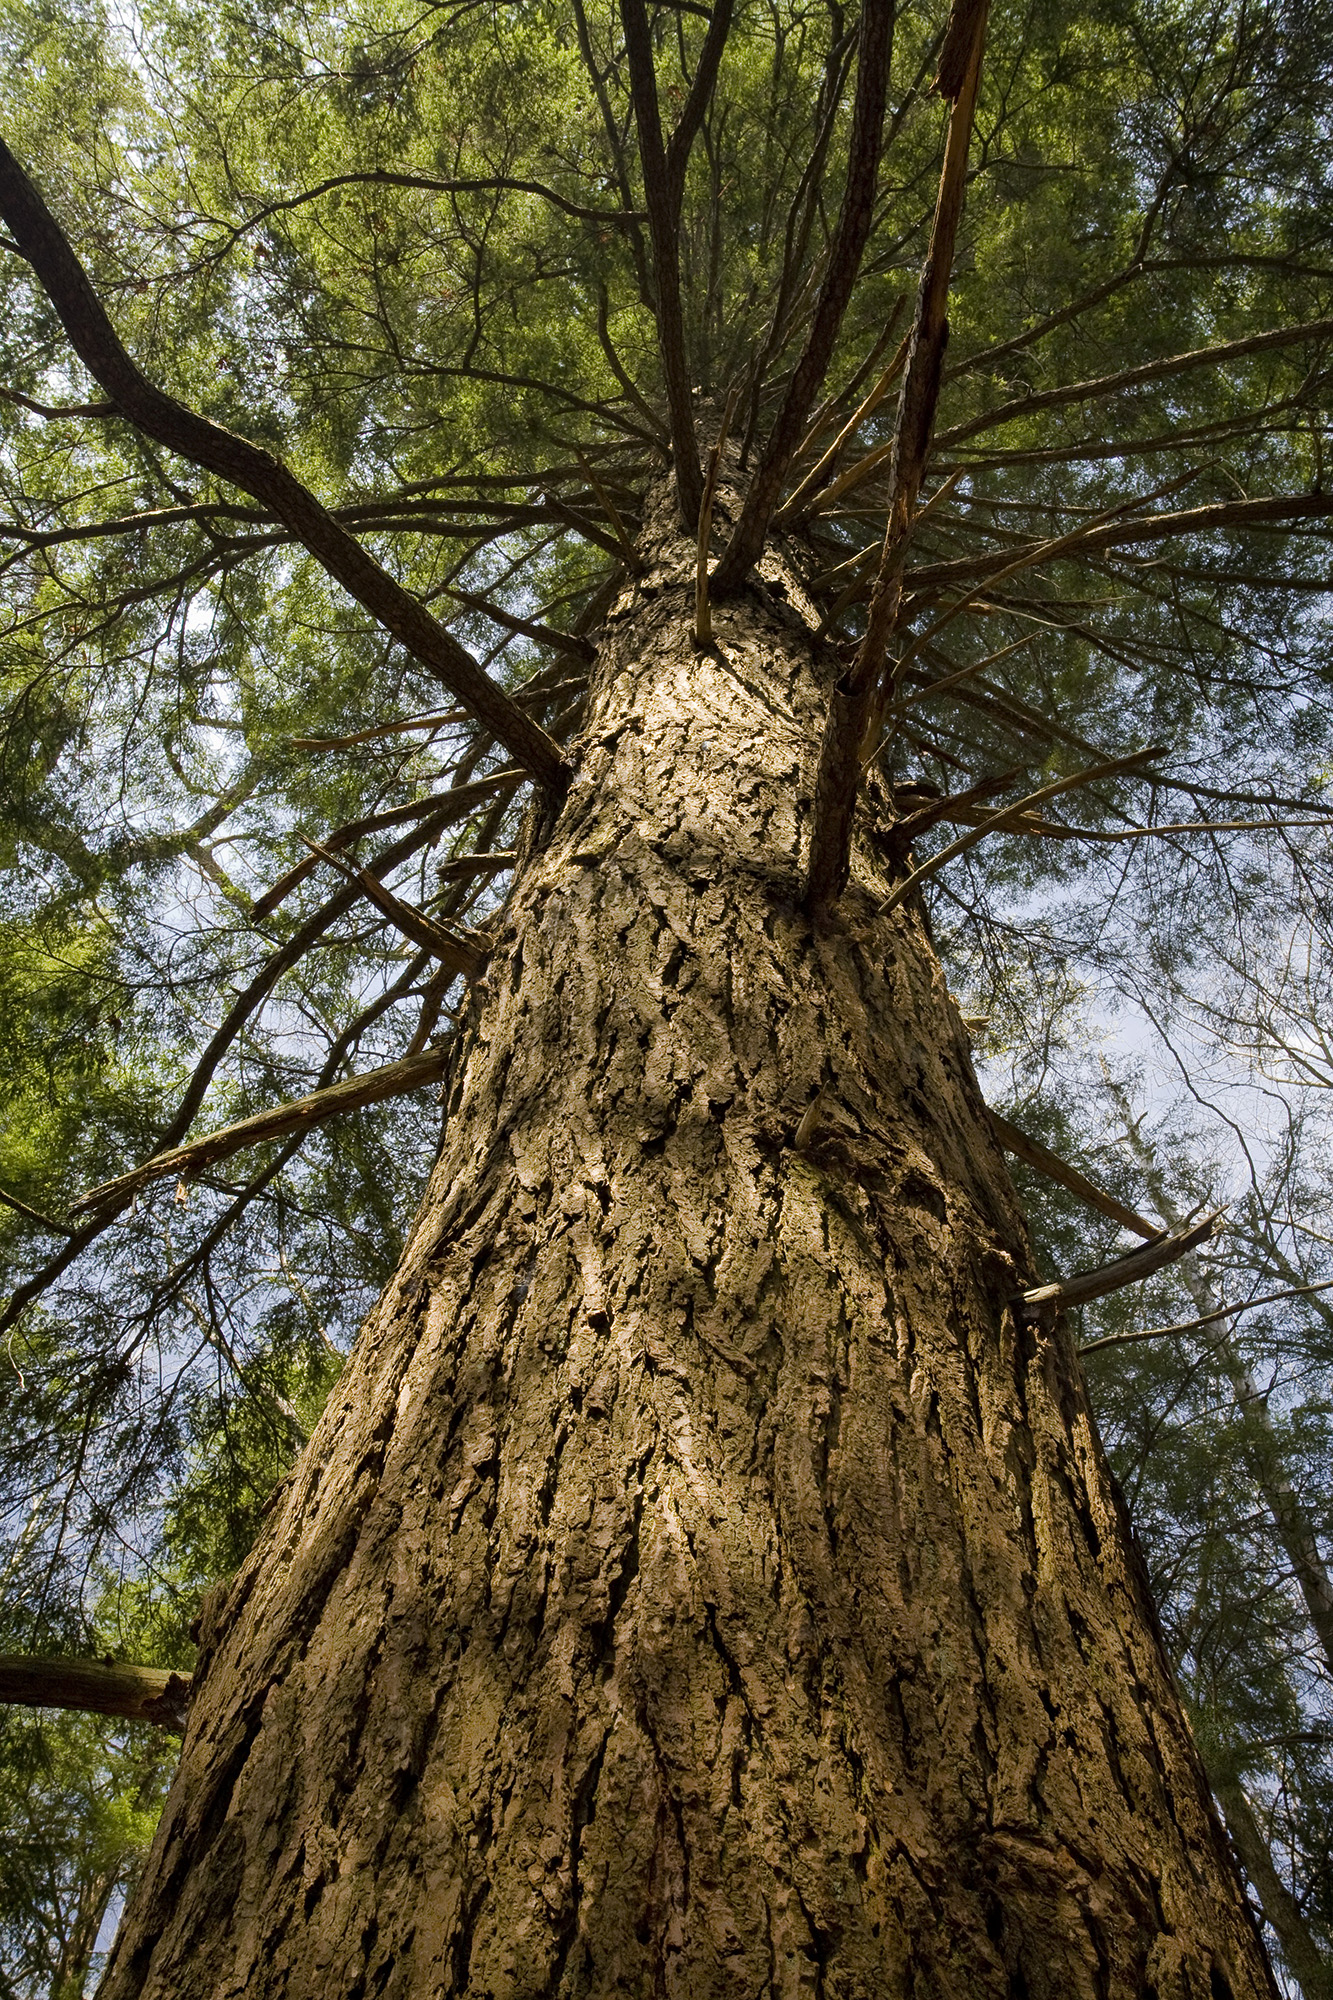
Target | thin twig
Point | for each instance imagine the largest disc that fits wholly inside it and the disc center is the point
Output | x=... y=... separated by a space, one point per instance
x=1205 y=1319
x=1113 y=768
x=633 y=561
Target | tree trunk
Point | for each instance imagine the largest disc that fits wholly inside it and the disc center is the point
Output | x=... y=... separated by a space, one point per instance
x=698 y=1584
x=1304 y=1958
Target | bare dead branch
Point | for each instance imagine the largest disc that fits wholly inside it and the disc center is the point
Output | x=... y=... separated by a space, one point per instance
x=464 y=866
x=838 y=399
x=1078 y=540
x=822 y=471
x=1044 y=1301
x=1275 y=510
x=999 y=822
x=393 y=1079
x=1043 y=1161
x=960 y=674
x=463 y=953
x=441 y=810
x=703 y=624
x=253 y=996
x=101 y=1687
x=1224 y=1311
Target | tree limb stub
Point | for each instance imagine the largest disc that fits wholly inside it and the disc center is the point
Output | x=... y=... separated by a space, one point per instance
x=1033 y=1154
x=703 y=623
x=1044 y=1301
x=850 y=705
x=43 y=243
x=99 y=1687
x=393 y=1079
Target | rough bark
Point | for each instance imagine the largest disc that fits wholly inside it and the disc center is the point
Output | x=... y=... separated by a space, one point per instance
x=699 y=1584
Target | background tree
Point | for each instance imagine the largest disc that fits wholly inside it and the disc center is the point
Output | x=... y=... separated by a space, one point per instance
x=371 y=516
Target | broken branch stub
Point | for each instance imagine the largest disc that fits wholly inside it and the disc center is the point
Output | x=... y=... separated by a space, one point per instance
x=97 y=1687
x=1043 y=1302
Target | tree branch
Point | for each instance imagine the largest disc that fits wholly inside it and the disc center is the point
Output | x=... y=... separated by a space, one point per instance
x=428 y=184
x=1224 y=1311
x=441 y=810
x=820 y=473
x=393 y=1079
x=101 y=1687
x=663 y=226
x=29 y=1214
x=1034 y=1154
x=855 y=216
x=997 y=822
x=1135 y=378
x=43 y=243
x=1272 y=511
x=462 y=954
x=698 y=101
x=849 y=716
x=1044 y=1301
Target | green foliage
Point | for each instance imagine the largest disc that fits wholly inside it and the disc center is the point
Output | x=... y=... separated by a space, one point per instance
x=78 y=1807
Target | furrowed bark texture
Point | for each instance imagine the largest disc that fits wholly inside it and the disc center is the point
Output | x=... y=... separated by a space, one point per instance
x=698 y=1584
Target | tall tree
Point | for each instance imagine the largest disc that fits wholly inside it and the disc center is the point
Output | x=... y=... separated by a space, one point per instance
x=541 y=432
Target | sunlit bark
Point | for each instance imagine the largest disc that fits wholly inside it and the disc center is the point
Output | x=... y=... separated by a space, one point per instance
x=699 y=1584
